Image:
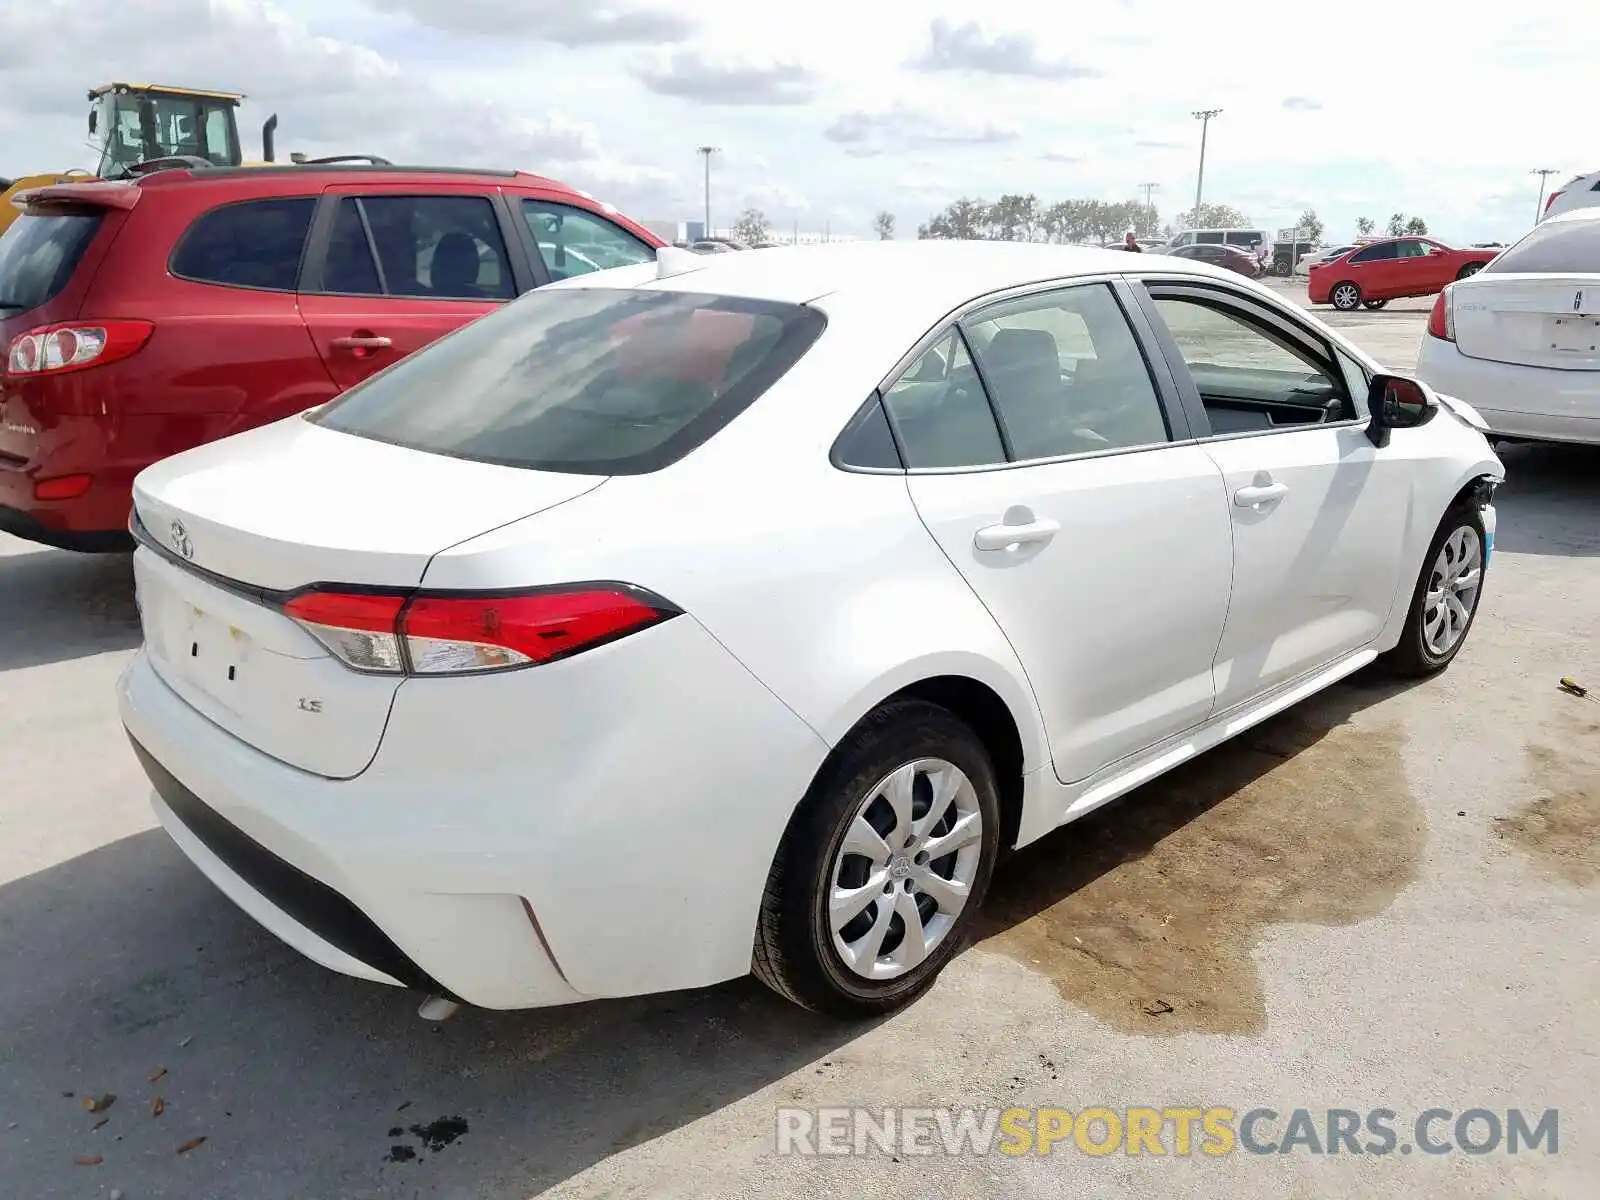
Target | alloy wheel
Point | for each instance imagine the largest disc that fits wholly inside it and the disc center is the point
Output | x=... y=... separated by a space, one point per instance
x=1453 y=587
x=1346 y=296
x=905 y=869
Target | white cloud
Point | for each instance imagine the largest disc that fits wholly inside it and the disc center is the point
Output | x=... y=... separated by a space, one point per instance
x=822 y=105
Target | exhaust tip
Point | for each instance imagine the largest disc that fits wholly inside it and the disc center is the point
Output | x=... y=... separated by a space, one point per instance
x=437 y=1008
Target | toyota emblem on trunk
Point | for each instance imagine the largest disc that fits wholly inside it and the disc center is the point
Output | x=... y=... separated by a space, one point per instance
x=180 y=540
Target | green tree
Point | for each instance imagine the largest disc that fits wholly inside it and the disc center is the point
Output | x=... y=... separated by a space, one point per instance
x=1396 y=225
x=964 y=219
x=1365 y=226
x=883 y=226
x=1416 y=225
x=752 y=226
x=1310 y=225
x=1014 y=218
x=1213 y=216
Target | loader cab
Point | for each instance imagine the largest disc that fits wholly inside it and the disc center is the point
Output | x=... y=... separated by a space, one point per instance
x=131 y=123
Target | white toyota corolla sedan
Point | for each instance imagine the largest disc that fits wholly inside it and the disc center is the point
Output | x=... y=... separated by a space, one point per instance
x=732 y=612
x=1520 y=340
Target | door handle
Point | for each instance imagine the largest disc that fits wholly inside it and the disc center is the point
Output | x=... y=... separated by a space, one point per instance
x=1261 y=493
x=362 y=343
x=998 y=537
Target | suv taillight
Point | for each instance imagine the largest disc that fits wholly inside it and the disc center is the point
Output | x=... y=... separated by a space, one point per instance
x=75 y=346
x=458 y=633
x=1551 y=201
x=1442 y=320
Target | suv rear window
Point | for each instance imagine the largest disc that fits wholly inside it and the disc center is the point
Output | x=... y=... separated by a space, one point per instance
x=1555 y=247
x=254 y=244
x=38 y=255
x=592 y=381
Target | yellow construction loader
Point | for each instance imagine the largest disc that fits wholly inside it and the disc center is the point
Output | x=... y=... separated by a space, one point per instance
x=139 y=127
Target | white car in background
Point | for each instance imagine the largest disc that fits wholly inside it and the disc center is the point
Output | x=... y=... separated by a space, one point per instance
x=1520 y=340
x=1581 y=191
x=731 y=612
x=1304 y=265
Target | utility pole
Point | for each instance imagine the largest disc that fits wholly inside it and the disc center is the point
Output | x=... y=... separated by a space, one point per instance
x=1149 y=210
x=706 y=152
x=1204 y=116
x=1543 y=173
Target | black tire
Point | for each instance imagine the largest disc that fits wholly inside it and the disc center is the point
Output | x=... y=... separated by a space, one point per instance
x=1411 y=657
x=1345 y=296
x=1374 y=305
x=1468 y=271
x=794 y=952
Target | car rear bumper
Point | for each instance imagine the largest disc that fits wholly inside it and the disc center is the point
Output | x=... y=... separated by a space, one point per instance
x=1516 y=401
x=31 y=527
x=96 y=521
x=512 y=855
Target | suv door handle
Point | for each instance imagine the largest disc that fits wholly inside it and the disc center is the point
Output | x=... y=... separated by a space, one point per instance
x=361 y=343
x=1261 y=493
x=998 y=537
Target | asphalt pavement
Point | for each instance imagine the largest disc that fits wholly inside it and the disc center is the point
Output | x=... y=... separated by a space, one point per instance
x=1388 y=898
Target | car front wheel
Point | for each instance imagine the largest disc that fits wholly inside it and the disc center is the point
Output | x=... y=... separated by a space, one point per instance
x=1468 y=271
x=1346 y=297
x=1446 y=597
x=883 y=866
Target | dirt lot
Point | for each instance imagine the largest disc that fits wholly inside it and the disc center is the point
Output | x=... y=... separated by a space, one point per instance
x=1387 y=898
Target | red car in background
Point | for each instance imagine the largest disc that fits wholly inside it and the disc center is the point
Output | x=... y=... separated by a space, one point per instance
x=138 y=319
x=1372 y=275
x=1231 y=257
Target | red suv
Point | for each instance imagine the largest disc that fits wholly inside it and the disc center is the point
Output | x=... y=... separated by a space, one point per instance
x=139 y=319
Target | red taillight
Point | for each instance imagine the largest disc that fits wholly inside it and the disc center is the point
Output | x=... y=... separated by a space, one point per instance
x=76 y=346
x=457 y=633
x=1442 y=320
x=62 y=487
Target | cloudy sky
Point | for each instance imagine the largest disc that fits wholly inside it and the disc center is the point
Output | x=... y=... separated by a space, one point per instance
x=829 y=110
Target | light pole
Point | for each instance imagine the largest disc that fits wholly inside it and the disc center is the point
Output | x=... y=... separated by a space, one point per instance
x=706 y=152
x=1204 y=116
x=1543 y=173
x=1149 y=210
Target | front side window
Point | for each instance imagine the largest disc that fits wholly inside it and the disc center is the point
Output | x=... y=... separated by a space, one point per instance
x=1066 y=374
x=424 y=247
x=594 y=381
x=1252 y=379
x=940 y=411
x=574 y=242
x=255 y=244
x=1411 y=248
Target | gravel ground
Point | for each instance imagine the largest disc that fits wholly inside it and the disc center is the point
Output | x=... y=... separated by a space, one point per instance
x=1385 y=899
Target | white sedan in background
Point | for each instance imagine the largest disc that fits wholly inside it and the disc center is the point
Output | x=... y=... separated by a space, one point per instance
x=1520 y=340
x=731 y=612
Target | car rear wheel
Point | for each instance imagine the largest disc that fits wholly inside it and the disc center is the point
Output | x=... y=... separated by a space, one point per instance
x=883 y=866
x=1346 y=296
x=1469 y=270
x=1446 y=597
x=1374 y=305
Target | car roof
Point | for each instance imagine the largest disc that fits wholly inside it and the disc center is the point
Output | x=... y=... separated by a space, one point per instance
x=933 y=274
x=1588 y=213
x=284 y=177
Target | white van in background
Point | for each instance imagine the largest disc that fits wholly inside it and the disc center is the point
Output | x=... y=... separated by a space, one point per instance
x=1581 y=191
x=1255 y=241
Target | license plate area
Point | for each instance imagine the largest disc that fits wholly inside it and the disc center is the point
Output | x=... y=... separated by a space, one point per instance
x=1573 y=335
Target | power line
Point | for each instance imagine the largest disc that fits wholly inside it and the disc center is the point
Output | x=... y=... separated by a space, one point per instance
x=706 y=152
x=1149 y=209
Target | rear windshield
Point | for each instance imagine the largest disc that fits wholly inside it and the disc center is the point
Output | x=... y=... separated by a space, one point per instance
x=593 y=381
x=1555 y=247
x=38 y=255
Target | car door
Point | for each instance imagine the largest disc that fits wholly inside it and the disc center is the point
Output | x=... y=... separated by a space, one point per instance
x=1375 y=271
x=1318 y=512
x=1415 y=268
x=1440 y=266
x=395 y=268
x=1046 y=459
x=569 y=240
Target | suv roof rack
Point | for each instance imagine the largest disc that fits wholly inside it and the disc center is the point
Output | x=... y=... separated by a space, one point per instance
x=363 y=163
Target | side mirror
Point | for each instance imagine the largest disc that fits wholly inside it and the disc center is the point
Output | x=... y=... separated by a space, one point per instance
x=1398 y=402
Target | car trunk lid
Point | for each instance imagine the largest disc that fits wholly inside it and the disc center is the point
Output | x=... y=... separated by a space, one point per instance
x=231 y=530
x=1535 y=320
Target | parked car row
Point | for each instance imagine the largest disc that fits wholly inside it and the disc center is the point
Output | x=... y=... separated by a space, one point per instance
x=142 y=318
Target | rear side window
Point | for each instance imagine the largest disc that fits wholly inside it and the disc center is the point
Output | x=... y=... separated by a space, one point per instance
x=1555 y=247
x=1380 y=253
x=426 y=247
x=256 y=244
x=941 y=411
x=574 y=242
x=38 y=255
x=593 y=381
